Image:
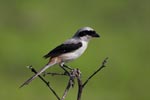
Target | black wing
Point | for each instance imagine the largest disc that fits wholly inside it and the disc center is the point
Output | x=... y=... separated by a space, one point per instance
x=63 y=48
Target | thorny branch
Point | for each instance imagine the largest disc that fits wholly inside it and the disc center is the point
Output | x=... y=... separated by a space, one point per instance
x=72 y=74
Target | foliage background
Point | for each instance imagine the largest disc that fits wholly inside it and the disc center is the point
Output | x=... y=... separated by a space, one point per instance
x=30 y=28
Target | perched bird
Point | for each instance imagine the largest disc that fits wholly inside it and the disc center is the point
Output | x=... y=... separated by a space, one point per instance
x=67 y=51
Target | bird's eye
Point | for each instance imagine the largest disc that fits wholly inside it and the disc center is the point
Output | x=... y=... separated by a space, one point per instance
x=83 y=33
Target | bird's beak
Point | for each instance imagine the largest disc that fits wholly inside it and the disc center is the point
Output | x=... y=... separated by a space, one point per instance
x=96 y=35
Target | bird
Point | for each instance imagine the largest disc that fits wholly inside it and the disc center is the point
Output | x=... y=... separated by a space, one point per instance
x=67 y=51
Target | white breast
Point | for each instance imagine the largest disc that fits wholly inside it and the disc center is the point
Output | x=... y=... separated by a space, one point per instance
x=81 y=50
x=75 y=54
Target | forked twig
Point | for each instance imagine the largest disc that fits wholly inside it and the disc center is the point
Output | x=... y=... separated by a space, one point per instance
x=72 y=74
x=80 y=85
x=102 y=66
x=70 y=83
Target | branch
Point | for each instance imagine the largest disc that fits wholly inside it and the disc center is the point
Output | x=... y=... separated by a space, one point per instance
x=66 y=91
x=46 y=82
x=102 y=66
x=72 y=74
x=70 y=83
x=80 y=86
x=54 y=74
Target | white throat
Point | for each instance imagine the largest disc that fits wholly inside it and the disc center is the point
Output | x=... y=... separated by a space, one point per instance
x=86 y=38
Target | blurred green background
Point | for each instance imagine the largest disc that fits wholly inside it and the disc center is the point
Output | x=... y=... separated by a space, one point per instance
x=30 y=28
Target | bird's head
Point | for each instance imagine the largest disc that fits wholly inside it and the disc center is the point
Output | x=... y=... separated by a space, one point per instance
x=86 y=33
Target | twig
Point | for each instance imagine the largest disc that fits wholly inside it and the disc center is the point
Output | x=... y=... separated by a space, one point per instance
x=54 y=74
x=102 y=66
x=80 y=86
x=66 y=91
x=70 y=84
x=46 y=82
x=72 y=74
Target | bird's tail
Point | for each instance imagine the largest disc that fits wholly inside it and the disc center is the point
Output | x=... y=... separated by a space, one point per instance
x=38 y=73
